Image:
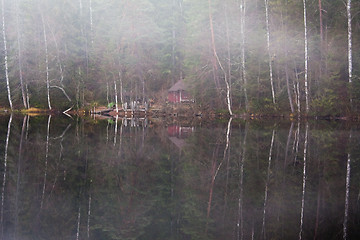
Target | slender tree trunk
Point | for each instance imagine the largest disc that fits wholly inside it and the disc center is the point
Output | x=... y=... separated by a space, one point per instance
x=321 y=21
x=321 y=39
x=173 y=45
x=286 y=66
x=228 y=49
x=306 y=60
x=121 y=88
x=228 y=97
x=268 y=49
x=348 y=10
x=91 y=22
x=116 y=96
x=297 y=91
x=6 y=54
x=46 y=60
x=22 y=85
x=243 y=60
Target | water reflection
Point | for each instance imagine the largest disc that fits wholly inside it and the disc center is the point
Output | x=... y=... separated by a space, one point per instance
x=86 y=178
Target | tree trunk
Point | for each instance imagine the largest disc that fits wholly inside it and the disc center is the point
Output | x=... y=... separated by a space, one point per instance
x=116 y=95
x=173 y=45
x=22 y=85
x=228 y=98
x=91 y=22
x=306 y=61
x=321 y=39
x=46 y=61
x=243 y=60
x=6 y=55
x=348 y=10
x=228 y=49
x=268 y=49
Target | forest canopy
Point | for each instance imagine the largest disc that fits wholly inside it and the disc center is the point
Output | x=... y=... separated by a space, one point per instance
x=254 y=56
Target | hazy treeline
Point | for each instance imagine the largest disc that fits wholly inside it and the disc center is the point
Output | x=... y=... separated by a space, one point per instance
x=237 y=54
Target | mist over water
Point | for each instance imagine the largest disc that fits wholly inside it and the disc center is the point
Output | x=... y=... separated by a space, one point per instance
x=87 y=178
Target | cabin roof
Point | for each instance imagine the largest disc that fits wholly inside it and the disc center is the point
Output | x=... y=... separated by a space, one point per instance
x=180 y=85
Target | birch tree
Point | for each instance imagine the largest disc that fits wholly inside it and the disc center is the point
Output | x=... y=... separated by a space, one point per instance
x=306 y=60
x=46 y=60
x=268 y=50
x=213 y=46
x=243 y=60
x=348 y=10
x=6 y=54
x=23 y=92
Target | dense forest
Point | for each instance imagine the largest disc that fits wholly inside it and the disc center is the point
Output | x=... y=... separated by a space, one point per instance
x=254 y=56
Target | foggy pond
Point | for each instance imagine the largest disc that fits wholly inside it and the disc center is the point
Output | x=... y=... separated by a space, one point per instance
x=86 y=178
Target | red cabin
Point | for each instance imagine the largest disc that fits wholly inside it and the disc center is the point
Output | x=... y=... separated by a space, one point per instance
x=178 y=93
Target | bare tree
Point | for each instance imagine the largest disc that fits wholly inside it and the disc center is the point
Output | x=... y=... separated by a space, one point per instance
x=306 y=60
x=6 y=54
x=268 y=49
x=243 y=60
x=46 y=60
x=213 y=46
x=22 y=85
x=348 y=10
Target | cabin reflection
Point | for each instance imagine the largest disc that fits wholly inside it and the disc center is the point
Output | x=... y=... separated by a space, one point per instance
x=177 y=135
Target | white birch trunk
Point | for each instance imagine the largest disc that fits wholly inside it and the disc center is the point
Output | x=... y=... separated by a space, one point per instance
x=121 y=89
x=348 y=10
x=306 y=60
x=243 y=60
x=91 y=22
x=116 y=96
x=46 y=61
x=23 y=93
x=297 y=92
x=268 y=49
x=6 y=54
x=228 y=97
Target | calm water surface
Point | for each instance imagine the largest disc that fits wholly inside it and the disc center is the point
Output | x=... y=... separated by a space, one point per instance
x=84 y=178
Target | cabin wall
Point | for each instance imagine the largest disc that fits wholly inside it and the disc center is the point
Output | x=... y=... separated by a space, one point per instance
x=179 y=96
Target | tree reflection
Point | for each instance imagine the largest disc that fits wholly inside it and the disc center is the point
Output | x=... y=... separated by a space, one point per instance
x=146 y=187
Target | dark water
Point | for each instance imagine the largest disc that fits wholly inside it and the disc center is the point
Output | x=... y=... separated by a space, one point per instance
x=65 y=178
